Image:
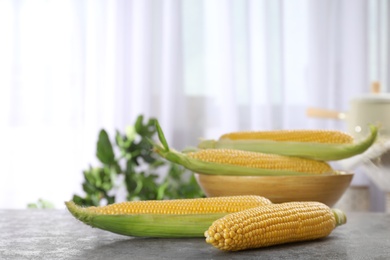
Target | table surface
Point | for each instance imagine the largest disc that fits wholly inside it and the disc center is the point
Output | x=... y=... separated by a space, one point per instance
x=55 y=234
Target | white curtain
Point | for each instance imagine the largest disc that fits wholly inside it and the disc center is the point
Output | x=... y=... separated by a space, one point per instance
x=69 y=68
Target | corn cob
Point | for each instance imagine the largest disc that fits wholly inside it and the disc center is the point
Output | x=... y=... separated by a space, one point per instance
x=236 y=162
x=260 y=160
x=165 y=218
x=312 y=144
x=273 y=224
x=308 y=136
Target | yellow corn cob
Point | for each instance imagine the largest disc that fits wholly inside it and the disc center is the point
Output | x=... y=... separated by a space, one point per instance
x=261 y=160
x=273 y=224
x=183 y=206
x=312 y=144
x=166 y=218
x=313 y=136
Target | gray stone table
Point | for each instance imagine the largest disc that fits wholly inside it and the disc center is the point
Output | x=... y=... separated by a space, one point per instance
x=55 y=234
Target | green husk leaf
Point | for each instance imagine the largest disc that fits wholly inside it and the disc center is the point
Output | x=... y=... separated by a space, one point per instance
x=147 y=225
x=316 y=151
x=161 y=136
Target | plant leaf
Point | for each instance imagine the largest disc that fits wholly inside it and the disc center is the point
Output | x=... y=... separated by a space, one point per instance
x=104 y=151
x=151 y=127
x=138 y=124
x=131 y=133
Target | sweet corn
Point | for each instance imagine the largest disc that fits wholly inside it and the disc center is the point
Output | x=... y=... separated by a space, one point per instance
x=311 y=144
x=235 y=162
x=165 y=218
x=273 y=224
x=308 y=136
x=260 y=160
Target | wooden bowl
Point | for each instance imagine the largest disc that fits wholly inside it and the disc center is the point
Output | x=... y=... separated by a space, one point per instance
x=327 y=189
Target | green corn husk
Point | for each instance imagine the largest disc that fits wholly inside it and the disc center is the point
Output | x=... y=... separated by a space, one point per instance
x=211 y=168
x=316 y=151
x=147 y=225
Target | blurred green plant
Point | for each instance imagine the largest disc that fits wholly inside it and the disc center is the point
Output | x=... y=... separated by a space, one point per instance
x=131 y=157
x=41 y=204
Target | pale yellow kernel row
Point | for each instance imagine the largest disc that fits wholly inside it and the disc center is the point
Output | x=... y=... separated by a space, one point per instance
x=311 y=136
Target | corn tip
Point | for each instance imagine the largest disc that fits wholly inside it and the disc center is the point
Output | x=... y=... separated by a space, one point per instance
x=340 y=217
x=79 y=212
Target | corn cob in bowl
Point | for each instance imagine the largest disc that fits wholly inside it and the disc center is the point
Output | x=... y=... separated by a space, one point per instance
x=323 y=145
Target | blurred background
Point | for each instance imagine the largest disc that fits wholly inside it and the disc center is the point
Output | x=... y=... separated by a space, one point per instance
x=69 y=68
